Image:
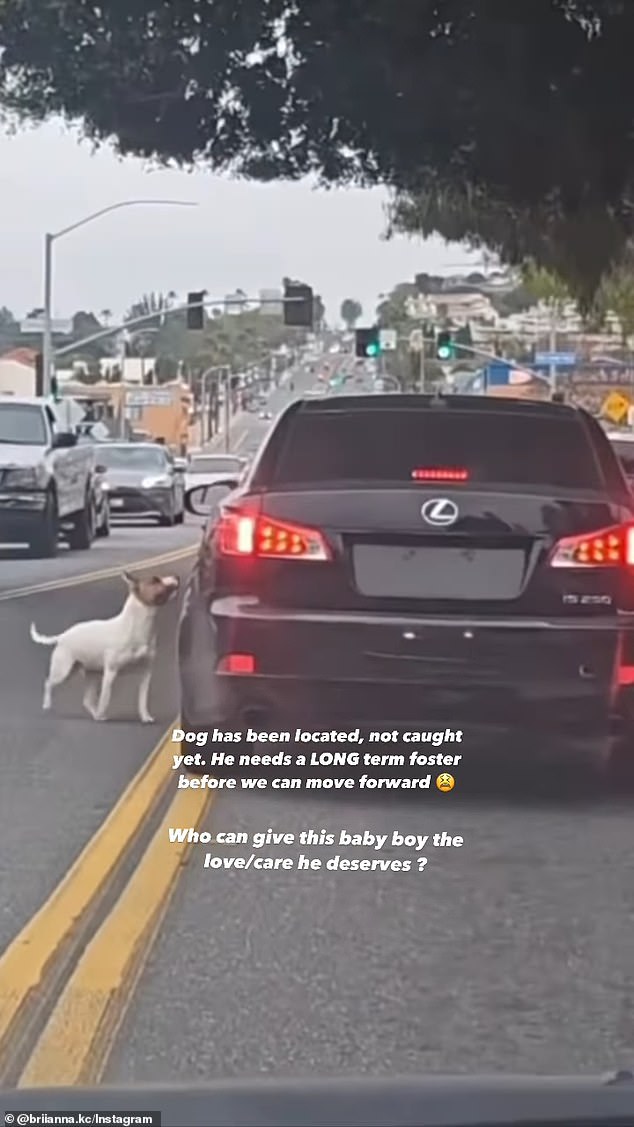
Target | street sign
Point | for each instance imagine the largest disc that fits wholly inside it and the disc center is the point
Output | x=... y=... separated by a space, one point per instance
x=149 y=397
x=615 y=407
x=416 y=340
x=235 y=302
x=556 y=359
x=272 y=303
x=387 y=338
x=35 y=325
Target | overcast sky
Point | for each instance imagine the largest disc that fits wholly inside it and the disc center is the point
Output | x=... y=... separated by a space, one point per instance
x=241 y=234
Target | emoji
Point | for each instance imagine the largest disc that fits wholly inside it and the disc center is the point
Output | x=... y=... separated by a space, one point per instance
x=445 y=782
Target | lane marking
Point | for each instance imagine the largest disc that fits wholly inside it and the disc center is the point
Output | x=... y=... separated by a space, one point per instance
x=27 y=960
x=95 y=576
x=77 y=1040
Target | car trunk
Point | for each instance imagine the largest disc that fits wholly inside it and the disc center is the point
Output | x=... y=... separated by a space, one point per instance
x=493 y=559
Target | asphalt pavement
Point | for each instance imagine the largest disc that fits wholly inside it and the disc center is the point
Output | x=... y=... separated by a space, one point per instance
x=509 y=952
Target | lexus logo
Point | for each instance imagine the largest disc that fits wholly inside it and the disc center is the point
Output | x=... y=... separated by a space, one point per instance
x=440 y=511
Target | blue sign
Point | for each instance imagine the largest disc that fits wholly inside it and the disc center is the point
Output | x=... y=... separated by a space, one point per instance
x=497 y=373
x=558 y=359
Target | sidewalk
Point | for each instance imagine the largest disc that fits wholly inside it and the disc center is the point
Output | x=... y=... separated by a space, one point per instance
x=194 y=442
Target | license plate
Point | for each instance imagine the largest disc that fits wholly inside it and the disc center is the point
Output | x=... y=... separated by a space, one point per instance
x=438 y=573
x=116 y=503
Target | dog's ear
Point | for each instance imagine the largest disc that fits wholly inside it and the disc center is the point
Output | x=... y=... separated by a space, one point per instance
x=129 y=580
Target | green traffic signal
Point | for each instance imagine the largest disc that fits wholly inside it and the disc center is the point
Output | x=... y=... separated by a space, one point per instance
x=367 y=341
x=444 y=346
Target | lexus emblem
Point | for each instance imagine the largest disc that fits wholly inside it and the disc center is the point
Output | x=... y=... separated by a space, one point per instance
x=440 y=511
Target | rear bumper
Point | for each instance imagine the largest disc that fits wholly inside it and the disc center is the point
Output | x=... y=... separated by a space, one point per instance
x=546 y=681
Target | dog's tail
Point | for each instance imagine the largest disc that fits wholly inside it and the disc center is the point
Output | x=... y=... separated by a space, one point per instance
x=43 y=639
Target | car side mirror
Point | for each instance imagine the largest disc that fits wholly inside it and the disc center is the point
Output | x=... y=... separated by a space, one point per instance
x=200 y=499
x=64 y=440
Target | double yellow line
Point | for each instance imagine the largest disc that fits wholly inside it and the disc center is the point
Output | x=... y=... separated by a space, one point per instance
x=100 y=975
x=96 y=576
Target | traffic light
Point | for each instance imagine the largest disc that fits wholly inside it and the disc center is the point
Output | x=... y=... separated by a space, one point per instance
x=195 y=311
x=367 y=342
x=298 y=305
x=445 y=349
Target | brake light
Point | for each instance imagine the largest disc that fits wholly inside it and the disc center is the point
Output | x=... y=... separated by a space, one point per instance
x=609 y=547
x=237 y=663
x=439 y=474
x=260 y=537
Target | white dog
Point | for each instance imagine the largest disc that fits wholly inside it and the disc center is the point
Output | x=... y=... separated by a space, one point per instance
x=108 y=645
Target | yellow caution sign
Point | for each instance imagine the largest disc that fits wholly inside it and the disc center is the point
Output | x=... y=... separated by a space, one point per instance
x=615 y=407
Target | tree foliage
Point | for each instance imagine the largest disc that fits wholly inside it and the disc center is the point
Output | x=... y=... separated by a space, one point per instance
x=350 y=311
x=514 y=120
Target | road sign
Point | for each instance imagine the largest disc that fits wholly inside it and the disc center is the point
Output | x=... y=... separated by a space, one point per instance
x=272 y=303
x=35 y=325
x=149 y=397
x=235 y=302
x=556 y=359
x=416 y=340
x=387 y=338
x=615 y=407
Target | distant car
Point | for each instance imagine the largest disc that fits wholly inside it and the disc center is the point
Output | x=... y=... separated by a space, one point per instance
x=102 y=501
x=622 y=442
x=143 y=480
x=206 y=469
x=265 y=415
x=91 y=435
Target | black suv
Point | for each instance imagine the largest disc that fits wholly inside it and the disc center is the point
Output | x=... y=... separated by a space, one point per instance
x=418 y=562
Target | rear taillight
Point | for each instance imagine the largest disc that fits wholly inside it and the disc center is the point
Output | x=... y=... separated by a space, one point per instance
x=237 y=663
x=439 y=474
x=257 y=536
x=609 y=547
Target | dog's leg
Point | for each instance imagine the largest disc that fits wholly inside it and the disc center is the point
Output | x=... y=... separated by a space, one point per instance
x=107 y=681
x=90 y=694
x=61 y=667
x=144 y=692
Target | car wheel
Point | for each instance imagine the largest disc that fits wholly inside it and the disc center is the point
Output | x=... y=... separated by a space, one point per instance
x=169 y=519
x=104 y=528
x=82 y=532
x=45 y=543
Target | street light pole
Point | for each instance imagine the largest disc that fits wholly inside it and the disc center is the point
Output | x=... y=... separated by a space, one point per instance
x=47 y=335
x=49 y=238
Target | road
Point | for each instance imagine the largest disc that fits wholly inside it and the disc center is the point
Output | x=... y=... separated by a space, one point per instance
x=509 y=953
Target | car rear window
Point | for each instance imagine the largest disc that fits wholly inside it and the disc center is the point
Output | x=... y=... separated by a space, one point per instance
x=387 y=446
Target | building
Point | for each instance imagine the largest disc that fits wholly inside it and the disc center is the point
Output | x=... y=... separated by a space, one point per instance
x=17 y=372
